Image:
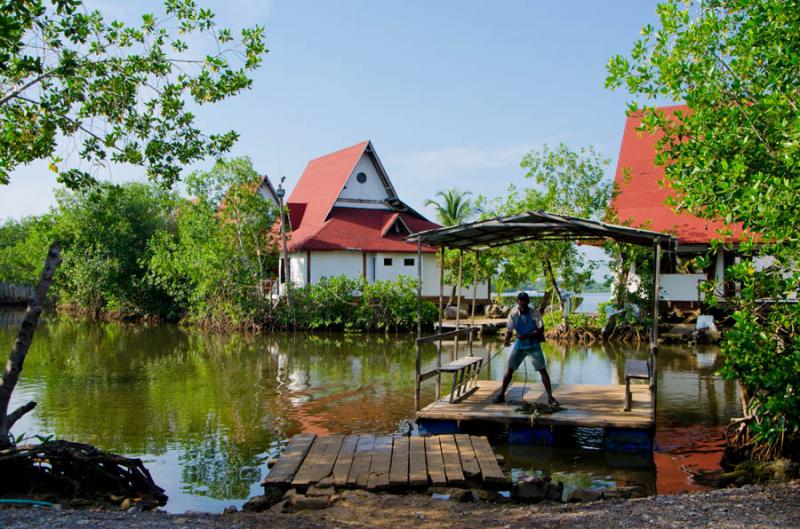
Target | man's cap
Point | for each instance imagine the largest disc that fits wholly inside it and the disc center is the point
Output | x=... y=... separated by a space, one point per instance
x=523 y=295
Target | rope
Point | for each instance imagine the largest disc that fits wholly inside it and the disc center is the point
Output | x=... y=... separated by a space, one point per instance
x=494 y=355
x=525 y=384
x=26 y=502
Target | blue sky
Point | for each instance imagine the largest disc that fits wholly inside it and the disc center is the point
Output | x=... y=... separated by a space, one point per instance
x=452 y=94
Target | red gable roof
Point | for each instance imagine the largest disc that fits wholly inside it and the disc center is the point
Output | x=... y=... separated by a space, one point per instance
x=360 y=229
x=319 y=187
x=318 y=225
x=641 y=200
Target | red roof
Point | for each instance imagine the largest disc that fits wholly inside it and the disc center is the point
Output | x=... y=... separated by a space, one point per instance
x=360 y=229
x=641 y=199
x=318 y=225
x=320 y=186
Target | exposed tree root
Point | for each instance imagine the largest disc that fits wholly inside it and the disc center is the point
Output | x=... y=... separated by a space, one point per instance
x=591 y=335
x=72 y=470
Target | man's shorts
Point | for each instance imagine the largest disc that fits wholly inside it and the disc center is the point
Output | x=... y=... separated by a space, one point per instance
x=518 y=356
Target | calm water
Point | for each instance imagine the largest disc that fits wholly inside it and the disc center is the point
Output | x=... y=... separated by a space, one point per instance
x=206 y=411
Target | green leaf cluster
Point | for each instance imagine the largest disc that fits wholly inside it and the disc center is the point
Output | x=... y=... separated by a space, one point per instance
x=220 y=261
x=734 y=154
x=563 y=181
x=342 y=303
x=120 y=93
x=138 y=251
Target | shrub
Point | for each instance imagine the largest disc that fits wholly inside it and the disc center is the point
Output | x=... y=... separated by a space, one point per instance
x=341 y=303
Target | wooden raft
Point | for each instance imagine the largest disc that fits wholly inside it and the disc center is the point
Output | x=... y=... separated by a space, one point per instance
x=386 y=462
x=583 y=406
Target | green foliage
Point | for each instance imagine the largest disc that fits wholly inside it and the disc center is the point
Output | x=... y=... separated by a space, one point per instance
x=23 y=245
x=588 y=322
x=220 y=260
x=105 y=233
x=566 y=182
x=762 y=351
x=455 y=207
x=392 y=305
x=136 y=250
x=636 y=289
x=341 y=303
x=735 y=155
x=119 y=92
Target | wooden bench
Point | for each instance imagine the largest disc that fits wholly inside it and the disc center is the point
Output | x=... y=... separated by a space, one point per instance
x=465 y=376
x=639 y=369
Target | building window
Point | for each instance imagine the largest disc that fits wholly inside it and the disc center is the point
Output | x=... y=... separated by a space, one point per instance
x=361 y=177
x=408 y=261
x=387 y=261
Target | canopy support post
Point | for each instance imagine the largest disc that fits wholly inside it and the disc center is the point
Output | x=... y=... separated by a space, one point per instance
x=458 y=300
x=441 y=323
x=418 y=359
x=474 y=295
x=654 y=331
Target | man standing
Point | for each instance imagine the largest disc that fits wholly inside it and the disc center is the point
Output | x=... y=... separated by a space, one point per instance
x=529 y=326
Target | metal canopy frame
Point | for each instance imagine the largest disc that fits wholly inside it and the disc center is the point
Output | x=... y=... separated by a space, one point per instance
x=537 y=225
x=531 y=226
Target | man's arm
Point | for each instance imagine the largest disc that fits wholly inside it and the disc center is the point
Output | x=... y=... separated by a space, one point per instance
x=509 y=329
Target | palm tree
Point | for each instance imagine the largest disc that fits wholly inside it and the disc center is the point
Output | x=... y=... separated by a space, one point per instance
x=454 y=208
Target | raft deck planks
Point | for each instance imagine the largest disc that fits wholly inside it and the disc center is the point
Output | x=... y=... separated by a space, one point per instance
x=341 y=468
x=384 y=462
x=433 y=453
x=398 y=472
x=291 y=459
x=417 y=464
x=593 y=406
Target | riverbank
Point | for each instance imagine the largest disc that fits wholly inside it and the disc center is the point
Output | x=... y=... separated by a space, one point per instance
x=753 y=506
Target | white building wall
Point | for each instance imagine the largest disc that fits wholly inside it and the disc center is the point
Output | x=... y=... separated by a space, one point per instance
x=371 y=189
x=390 y=266
x=297 y=268
x=430 y=281
x=372 y=261
x=719 y=275
x=430 y=276
x=351 y=264
x=680 y=287
x=329 y=264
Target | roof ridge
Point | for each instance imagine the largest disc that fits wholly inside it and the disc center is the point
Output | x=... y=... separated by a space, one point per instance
x=334 y=153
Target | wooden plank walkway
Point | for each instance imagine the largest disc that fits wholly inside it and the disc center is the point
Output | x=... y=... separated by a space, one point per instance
x=583 y=405
x=386 y=462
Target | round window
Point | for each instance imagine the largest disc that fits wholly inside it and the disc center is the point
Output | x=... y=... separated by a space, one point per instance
x=361 y=177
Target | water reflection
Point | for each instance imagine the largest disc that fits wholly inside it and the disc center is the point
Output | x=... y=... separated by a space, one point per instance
x=205 y=411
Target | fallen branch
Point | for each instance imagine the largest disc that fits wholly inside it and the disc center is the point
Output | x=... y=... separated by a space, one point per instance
x=17 y=414
x=75 y=470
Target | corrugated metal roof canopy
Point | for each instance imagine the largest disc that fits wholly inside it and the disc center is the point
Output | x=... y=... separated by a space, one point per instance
x=537 y=225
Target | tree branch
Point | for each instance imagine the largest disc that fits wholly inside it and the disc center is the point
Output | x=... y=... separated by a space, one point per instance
x=25 y=337
x=8 y=97
x=19 y=412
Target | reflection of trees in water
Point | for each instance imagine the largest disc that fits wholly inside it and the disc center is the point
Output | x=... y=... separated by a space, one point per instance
x=217 y=467
x=221 y=400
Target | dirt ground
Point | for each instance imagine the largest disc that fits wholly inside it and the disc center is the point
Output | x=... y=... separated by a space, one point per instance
x=753 y=506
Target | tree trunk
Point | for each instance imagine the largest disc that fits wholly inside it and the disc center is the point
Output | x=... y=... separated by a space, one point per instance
x=452 y=296
x=622 y=283
x=564 y=320
x=24 y=338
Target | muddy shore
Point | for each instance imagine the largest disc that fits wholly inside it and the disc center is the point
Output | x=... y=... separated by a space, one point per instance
x=752 y=506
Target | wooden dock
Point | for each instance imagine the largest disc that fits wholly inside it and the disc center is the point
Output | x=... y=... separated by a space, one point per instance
x=388 y=462
x=583 y=406
x=484 y=325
